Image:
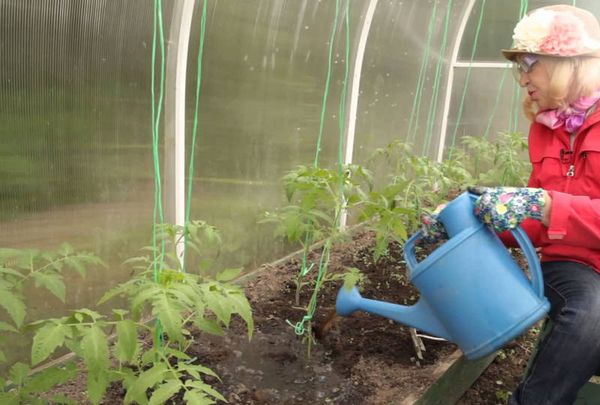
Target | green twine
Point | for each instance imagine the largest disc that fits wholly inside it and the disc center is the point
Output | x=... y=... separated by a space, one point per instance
x=158 y=36
x=416 y=107
x=496 y=103
x=327 y=81
x=342 y=109
x=516 y=91
x=436 y=84
x=462 y=101
x=299 y=327
x=523 y=8
x=515 y=107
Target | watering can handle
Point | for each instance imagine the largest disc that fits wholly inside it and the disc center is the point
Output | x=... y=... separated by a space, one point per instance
x=537 y=280
x=409 y=250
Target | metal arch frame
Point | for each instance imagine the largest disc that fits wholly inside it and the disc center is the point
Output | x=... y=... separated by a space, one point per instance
x=450 y=82
x=175 y=92
x=356 y=76
x=354 y=92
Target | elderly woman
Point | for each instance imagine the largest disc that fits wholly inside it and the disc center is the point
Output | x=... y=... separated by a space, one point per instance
x=556 y=54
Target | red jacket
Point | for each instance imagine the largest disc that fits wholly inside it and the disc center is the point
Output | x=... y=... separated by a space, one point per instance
x=571 y=175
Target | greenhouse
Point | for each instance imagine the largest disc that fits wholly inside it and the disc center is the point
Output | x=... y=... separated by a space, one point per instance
x=187 y=186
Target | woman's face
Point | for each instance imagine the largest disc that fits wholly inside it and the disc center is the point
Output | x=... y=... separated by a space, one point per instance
x=535 y=80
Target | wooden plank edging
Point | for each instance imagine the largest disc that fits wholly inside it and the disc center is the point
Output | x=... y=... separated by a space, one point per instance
x=455 y=380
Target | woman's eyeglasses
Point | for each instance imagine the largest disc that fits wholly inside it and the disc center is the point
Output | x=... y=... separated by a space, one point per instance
x=524 y=64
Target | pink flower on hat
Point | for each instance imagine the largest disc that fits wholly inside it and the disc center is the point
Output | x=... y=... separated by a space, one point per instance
x=564 y=37
x=553 y=32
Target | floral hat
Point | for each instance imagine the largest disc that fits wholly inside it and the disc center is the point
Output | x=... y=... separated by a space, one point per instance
x=559 y=30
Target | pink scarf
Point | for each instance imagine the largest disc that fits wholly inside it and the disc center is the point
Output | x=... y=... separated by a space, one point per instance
x=571 y=117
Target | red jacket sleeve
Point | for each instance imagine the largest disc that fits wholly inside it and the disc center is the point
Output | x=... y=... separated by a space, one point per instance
x=574 y=220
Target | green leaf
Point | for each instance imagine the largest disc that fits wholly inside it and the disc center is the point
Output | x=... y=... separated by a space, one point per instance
x=25 y=260
x=127 y=341
x=146 y=294
x=195 y=369
x=76 y=264
x=6 y=327
x=19 y=372
x=97 y=383
x=216 y=303
x=118 y=290
x=48 y=378
x=206 y=388
x=46 y=340
x=352 y=278
x=11 y=272
x=208 y=325
x=178 y=354
x=93 y=315
x=197 y=398
x=169 y=312
x=66 y=249
x=2 y=359
x=9 y=398
x=94 y=345
x=242 y=307
x=228 y=274
x=120 y=313
x=51 y=282
x=164 y=392
x=14 y=306
x=147 y=379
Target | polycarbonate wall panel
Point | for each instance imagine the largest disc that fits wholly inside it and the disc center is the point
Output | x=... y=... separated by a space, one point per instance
x=262 y=92
x=264 y=76
x=492 y=106
x=405 y=74
x=75 y=139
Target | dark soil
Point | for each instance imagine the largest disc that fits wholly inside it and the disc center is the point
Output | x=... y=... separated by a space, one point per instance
x=362 y=359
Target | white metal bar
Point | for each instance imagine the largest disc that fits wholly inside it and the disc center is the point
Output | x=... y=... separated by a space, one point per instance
x=354 y=92
x=450 y=83
x=356 y=76
x=175 y=78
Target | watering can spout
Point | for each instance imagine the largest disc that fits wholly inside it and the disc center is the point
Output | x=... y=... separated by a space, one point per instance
x=419 y=315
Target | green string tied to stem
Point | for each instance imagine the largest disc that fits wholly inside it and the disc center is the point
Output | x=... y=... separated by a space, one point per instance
x=157 y=39
x=299 y=327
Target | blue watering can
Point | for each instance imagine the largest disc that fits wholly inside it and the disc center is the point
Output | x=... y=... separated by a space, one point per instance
x=472 y=292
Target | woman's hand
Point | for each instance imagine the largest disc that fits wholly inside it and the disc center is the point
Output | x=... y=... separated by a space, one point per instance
x=432 y=229
x=505 y=208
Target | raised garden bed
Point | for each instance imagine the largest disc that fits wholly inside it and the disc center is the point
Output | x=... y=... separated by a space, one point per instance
x=362 y=359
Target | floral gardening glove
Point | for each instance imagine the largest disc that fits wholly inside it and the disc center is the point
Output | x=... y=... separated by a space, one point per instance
x=432 y=229
x=505 y=208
